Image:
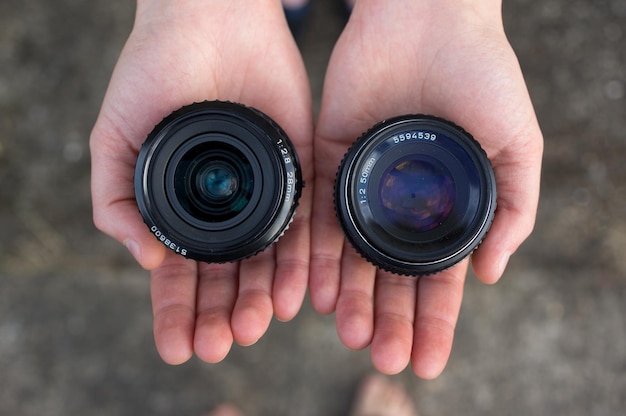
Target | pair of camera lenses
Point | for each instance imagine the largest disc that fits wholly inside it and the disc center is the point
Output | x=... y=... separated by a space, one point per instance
x=220 y=182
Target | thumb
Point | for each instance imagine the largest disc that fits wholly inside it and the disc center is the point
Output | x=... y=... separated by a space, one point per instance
x=115 y=211
x=518 y=196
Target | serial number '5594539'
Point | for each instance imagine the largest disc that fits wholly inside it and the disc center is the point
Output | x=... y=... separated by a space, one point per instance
x=414 y=135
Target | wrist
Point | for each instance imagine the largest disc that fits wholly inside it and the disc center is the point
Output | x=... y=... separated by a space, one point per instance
x=478 y=11
x=173 y=11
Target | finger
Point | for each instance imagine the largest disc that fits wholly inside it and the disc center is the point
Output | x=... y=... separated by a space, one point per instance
x=292 y=261
x=216 y=294
x=438 y=303
x=517 y=178
x=173 y=288
x=509 y=229
x=355 y=306
x=253 y=309
x=326 y=247
x=393 y=322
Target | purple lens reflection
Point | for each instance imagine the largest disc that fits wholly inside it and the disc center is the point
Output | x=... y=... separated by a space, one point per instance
x=417 y=195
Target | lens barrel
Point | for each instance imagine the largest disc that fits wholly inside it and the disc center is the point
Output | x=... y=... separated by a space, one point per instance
x=217 y=181
x=415 y=194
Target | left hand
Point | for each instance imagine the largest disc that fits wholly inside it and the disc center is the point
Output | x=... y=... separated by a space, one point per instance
x=439 y=58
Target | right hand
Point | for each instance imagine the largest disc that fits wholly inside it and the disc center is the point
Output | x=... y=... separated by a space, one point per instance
x=181 y=52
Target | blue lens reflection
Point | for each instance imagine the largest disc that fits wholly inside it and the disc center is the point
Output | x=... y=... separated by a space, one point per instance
x=417 y=195
x=221 y=182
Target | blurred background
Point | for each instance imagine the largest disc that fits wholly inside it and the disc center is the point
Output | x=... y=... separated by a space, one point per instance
x=75 y=314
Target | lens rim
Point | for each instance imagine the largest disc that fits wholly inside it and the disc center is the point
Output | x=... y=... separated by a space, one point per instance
x=275 y=169
x=405 y=252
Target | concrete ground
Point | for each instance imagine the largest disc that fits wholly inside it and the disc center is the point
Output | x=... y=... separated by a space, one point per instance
x=75 y=315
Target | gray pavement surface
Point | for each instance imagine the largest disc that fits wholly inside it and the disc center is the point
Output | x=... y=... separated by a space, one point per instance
x=75 y=315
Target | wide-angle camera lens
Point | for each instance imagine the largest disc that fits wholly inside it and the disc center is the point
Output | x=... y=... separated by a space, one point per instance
x=415 y=194
x=217 y=181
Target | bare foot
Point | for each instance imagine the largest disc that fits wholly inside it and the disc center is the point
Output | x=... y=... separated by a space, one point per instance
x=225 y=410
x=378 y=396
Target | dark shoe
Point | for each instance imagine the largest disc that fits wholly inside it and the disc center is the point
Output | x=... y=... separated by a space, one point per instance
x=346 y=8
x=296 y=19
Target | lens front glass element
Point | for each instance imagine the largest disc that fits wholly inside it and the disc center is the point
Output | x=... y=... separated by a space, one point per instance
x=218 y=182
x=417 y=194
x=214 y=182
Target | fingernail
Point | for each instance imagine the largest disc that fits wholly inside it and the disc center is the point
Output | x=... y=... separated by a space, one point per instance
x=504 y=261
x=134 y=248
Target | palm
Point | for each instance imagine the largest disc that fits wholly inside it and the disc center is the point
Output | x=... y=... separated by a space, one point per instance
x=376 y=73
x=200 y=307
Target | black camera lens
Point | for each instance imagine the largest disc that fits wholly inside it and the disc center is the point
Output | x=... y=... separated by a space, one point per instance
x=415 y=194
x=217 y=181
